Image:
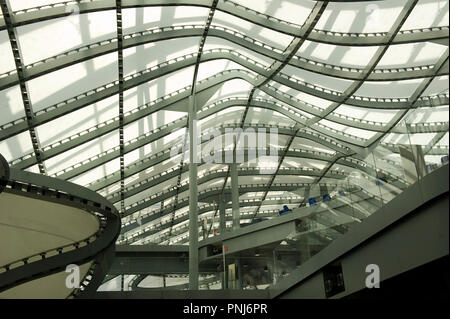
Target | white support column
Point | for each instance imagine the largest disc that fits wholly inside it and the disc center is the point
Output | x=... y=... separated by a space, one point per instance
x=222 y=217
x=193 y=197
x=235 y=195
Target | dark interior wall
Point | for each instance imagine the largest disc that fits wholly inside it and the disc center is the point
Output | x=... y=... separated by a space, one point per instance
x=429 y=281
x=412 y=254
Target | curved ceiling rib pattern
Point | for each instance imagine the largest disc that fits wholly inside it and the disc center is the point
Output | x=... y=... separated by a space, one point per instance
x=96 y=92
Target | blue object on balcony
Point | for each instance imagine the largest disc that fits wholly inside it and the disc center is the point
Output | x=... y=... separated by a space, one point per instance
x=312 y=201
x=444 y=159
x=326 y=198
x=285 y=210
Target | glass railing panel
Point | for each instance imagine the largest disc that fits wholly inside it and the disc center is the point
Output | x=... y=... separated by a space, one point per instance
x=428 y=133
x=299 y=247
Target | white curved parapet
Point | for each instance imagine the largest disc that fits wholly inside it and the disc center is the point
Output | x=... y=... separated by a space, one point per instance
x=53 y=244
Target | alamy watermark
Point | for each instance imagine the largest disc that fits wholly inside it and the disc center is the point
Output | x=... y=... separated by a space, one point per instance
x=234 y=145
x=73 y=279
x=373 y=279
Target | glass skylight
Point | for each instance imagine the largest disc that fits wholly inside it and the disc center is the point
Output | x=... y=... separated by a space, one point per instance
x=368 y=74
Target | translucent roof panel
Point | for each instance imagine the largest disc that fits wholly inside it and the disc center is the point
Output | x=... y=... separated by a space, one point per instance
x=439 y=85
x=158 y=88
x=38 y=40
x=96 y=173
x=151 y=122
x=27 y=4
x=6 y=57
x=269 y=117
x=249 y=180
x=221 y=118
x=345 y=56
x=437 y=15
x=69 y=82
x=12 y=105
x=150 y=55
x=346 y=129
x=215 y=43
x=211 y=68
x=329 y=82
x=16 y=146
x=360 y=16
x=217 y=182
x=296 y=97
x=427 y=115
x=307 y=144
x=76 y=122
x=373 y=115
x=81 y=153
x=140 y=19
x=389 y=89
x=296 y=162
x=360 y=77
x=236 y=88
x=295 y=12
x=411 y=54
x=260 y=34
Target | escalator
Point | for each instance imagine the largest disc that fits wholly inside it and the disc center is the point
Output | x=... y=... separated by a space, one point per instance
x=401 y=234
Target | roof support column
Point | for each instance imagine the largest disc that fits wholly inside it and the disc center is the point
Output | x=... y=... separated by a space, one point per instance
x=193 y=197
x=222 y=217
x=235 y=194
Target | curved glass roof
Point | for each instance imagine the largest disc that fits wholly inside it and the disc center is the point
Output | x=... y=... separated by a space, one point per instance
x=96 y=92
